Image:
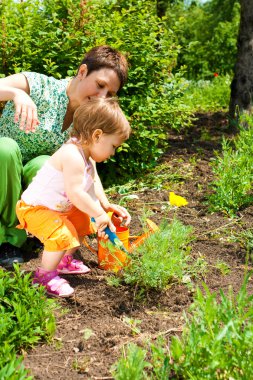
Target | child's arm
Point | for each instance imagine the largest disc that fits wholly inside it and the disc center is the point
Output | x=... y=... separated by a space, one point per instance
x=120 y=213
x=16 y=88
x=73 y=168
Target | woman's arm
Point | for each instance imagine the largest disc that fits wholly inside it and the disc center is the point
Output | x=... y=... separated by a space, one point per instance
x=16 y=88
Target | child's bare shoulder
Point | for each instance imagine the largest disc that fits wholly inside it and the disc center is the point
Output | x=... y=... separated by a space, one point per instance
x=67 y=155
x=69 y=150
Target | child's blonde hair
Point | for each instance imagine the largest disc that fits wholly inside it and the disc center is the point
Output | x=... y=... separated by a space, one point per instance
x=99 y=113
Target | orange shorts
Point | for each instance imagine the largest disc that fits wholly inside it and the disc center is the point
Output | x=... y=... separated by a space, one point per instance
x=58 y=231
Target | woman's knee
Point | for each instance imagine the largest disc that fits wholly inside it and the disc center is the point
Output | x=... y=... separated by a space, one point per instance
x=36 y=163
x=10 y=152
x=9 y=149
x=32 y=167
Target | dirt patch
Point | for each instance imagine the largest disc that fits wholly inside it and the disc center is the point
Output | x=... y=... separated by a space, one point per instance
x=91 y=328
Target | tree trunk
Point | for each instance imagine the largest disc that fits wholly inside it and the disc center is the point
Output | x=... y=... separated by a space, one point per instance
x=242 y=83
x=161 y=6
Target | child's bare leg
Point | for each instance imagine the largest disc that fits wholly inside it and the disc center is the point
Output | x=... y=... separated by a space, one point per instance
x=47 y=275
x=50 y=260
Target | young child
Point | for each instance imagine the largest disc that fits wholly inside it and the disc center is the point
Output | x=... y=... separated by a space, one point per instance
x=66 y=192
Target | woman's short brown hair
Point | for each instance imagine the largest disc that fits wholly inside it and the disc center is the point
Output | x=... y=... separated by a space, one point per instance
x=104 y=56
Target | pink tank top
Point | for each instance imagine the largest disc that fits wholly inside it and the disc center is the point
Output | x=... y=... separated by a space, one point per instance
x=47 y=187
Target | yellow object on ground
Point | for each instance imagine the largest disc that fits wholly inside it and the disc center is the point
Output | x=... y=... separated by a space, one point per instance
x=177 y=200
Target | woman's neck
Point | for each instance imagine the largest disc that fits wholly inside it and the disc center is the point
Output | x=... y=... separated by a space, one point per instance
x=68 y=118
x=72 y=104
x=70 y=91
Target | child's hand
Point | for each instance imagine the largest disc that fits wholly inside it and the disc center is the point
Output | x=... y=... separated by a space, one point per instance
x=102 y=222
x=120 y=214
x=26 y=112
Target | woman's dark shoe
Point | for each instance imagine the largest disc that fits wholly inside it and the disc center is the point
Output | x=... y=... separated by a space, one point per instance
x=10 y=255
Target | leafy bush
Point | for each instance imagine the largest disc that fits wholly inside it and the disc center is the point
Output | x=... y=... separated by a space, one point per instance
x=152 y=96
x=215 y=344
x=234 y=173
x=42 y=36
x=26 y=316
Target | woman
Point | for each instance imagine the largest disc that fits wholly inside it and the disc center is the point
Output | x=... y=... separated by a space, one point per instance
x=34 y=123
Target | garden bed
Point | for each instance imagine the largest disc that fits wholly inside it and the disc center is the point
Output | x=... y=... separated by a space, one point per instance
x=94 y=326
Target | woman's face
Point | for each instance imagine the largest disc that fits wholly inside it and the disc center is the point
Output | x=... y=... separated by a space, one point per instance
x=101 y=83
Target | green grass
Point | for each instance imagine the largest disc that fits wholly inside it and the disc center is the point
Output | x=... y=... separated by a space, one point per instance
x=208 y=95
x=162 y=177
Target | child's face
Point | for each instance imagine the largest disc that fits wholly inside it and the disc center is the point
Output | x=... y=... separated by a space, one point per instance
x=101 y=83
x=104 y=145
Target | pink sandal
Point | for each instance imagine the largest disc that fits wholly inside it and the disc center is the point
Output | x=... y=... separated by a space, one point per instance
x=55 y=286
x=68 y=265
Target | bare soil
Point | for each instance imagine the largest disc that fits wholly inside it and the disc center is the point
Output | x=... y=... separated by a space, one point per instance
x=100 y=308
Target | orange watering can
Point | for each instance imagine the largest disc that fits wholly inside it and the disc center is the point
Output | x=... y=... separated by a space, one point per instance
x=115 y=259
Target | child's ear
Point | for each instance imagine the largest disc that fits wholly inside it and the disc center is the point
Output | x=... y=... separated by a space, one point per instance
x=96 y=135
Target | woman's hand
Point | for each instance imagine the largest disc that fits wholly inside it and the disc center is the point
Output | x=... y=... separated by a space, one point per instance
x=25 y=111
x=120 y=214
x=16 y=88
x=102 y=221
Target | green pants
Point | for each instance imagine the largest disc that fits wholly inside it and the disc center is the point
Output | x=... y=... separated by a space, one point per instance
x=14 y=178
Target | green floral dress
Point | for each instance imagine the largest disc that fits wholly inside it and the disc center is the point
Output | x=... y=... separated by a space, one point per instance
x=49 y=95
